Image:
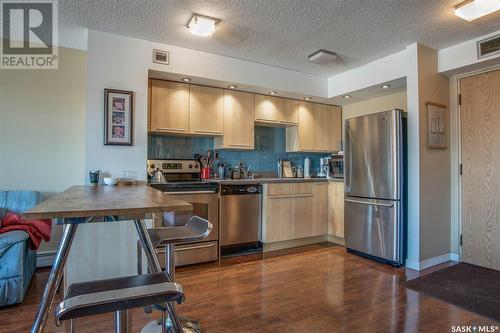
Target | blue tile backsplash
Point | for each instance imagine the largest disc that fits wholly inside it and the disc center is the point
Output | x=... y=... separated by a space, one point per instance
x=269 y=148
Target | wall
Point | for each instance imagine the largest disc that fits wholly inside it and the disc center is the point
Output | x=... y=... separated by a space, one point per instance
x=42 y=131
x=269 y=148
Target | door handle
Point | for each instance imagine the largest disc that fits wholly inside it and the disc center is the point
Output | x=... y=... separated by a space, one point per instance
x=208 y=132
x=370 y=203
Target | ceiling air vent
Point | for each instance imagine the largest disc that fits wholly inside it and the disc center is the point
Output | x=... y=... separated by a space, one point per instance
x=489 y=46
x=160 y=57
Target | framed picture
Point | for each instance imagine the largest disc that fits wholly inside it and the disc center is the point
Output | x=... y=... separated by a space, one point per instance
x=437 y=126
x=118 y=117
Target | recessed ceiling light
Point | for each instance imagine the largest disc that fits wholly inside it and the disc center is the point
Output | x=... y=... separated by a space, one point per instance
x=473 y=9
x=186 y=79
x=232 y=86
x=385 y=86
x=200 y=25
x=347 y=96
x=307 y=98
x=273 y=93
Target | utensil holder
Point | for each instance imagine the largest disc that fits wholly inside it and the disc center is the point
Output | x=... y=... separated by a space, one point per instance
x=205 y=173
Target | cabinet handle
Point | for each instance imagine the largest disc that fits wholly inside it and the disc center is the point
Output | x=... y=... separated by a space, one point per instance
x=172 y=129
x=288 y=122
x=266 y=120
x=291 y=196
x=208 y=132
x=236 y=145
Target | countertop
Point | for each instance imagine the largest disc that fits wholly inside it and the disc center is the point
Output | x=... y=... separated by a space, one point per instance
x=122 y=200
x=274 y=180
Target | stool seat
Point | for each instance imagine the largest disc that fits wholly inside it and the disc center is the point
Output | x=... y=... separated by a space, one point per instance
x=101 y=296
x=195 y=229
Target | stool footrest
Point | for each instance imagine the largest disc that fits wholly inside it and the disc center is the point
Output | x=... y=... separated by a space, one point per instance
x=95 y=297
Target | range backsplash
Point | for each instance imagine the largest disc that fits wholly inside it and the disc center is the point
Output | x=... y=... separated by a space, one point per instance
x=269 y=148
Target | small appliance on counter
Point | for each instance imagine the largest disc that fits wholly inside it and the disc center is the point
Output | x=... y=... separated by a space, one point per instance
x=336 y=165
x=324 y=167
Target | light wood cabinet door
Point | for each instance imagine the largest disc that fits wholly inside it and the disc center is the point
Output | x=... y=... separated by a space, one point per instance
x=321 y=127
x=168 y=106
x=334 y=132
x=288 y=111
x=206 y=111
x=301 y=216
x=320 y=209
x=336 y=209
x=276 y=220
x=266 y=109
x=301 y=137
x=238 y=121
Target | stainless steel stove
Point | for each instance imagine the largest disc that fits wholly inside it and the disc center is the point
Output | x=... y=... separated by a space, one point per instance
x=183 y=180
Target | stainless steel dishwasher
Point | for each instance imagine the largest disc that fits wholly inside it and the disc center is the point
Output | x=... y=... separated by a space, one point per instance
x=240 y=218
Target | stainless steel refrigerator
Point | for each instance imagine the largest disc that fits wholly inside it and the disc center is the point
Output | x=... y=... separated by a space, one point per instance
x=374 y=185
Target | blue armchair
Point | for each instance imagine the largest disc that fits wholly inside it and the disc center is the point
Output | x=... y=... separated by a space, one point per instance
x=17 y=261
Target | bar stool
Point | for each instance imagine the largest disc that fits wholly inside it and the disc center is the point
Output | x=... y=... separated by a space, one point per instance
x=195 y=229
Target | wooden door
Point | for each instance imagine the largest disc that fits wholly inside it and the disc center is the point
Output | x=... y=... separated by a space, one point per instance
x=266 y=108
x=288 y=111
x=321 y=126
x=276 y=219
x=320 y=209
x=336 y=209
x=480 y=128
x=334 y=130
x=169 y=106
x=206 y=111
x=238 y=121
x=301 y=216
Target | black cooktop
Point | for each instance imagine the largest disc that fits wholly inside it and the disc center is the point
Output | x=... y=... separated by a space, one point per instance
x=196 y=186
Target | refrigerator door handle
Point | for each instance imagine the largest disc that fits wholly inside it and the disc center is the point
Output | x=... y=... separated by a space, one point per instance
x=370 y=203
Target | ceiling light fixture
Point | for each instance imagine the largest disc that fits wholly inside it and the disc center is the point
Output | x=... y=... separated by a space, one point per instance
x=473 y=9
x=200 y=25
x=273 y=93
x=385 y=86
x=232 y=86
x=347 y=96
x=323 y=57
x=307 y=98
x=186 y=79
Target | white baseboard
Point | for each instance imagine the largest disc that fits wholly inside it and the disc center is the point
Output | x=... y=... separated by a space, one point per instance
x=45 y=259
x=424 y=264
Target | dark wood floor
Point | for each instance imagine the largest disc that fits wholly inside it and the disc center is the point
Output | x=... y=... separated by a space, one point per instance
x=317 y=288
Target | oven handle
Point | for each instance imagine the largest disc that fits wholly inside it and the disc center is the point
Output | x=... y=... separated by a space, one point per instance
x=191 y=192
x=194 y=247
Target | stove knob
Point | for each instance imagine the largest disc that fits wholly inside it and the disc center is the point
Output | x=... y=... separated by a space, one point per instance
x=152 y=166
x=190 y=166
x=196 y=166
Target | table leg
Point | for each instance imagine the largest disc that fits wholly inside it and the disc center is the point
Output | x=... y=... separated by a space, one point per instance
x=123 y=321
x=154 y=266
x=54 y=278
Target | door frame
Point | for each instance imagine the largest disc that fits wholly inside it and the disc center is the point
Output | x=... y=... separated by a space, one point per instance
x=455 y=97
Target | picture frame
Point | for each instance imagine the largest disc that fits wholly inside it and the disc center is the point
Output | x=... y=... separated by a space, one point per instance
x=437 y=126
x=118 y=117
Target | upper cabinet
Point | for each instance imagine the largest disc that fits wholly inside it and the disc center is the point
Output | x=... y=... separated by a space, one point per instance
x=335 y=119
x=301 y=137
x=322 y=128
x=206 y=111
x=288 y=111
x=266 y=109
x=238 y=121
x=169 y=106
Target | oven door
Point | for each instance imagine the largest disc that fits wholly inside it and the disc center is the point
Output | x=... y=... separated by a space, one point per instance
x=204 y=205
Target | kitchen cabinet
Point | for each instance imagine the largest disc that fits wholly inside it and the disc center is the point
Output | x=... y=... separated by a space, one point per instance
x=322 y=126
x=276 y=219
x=336 y=209
x=266 y=109
x=301 y=137
x=320 y=209
x=288 y=111
x=334 y=132
x=206 y=110
x=168 y=106
x=301 y=216
x=238 y=121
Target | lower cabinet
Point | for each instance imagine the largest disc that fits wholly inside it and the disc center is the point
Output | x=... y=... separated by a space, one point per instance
x=336 y=209
x=293 y=211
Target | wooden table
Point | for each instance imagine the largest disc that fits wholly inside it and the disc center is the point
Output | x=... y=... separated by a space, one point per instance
x=85 y=204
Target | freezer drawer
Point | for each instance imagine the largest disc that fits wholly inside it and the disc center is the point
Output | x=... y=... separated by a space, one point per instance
x=188 y=254
x=374 y=227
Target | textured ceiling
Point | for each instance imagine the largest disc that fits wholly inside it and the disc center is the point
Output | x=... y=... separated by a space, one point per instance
x=283 y=33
